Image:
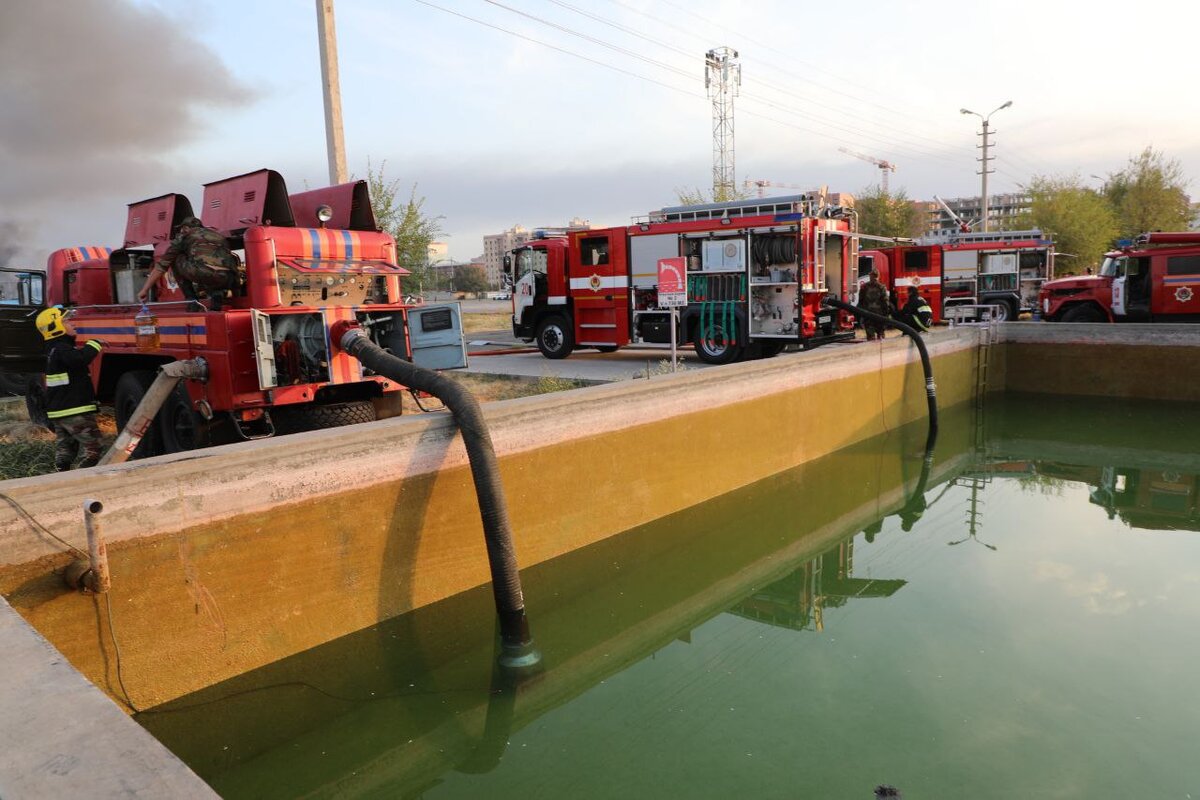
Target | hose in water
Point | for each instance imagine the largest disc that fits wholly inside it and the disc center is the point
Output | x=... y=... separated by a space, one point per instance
x=930 y=387
x=517 y=650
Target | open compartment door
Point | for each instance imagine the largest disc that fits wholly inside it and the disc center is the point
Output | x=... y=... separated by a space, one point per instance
x=436 y=335
x=264 y=350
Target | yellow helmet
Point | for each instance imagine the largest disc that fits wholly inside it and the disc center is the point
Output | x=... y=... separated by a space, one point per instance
x=50 y=323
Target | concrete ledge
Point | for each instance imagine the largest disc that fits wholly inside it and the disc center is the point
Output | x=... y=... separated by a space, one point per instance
x=60 y=737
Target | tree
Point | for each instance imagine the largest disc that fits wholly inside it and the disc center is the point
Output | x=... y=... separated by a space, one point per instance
x=1148 y=195
x=408 y=224
x=470 y=278
x=882 y=213
x=696 y=196
x=1079 y=219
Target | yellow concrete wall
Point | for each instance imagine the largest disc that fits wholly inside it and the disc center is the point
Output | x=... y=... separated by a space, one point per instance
x=226 y=560
x=1145 y=361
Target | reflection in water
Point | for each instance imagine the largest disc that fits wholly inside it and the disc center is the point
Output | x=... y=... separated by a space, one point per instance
x=673 y=668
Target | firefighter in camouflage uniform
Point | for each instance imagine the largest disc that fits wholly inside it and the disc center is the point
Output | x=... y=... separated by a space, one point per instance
x=873 y=296
x=70 y=401
x=198 y=257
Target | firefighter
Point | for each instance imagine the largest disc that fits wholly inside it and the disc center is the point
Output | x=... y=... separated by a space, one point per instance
x=70 y=401
x=916 y=312
x=199 y=257
x=874 y=297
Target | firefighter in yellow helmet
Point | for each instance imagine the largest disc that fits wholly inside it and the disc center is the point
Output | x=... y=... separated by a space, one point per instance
x=70 y=400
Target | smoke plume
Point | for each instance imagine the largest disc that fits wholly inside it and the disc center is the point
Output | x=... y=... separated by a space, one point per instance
x=96 y=94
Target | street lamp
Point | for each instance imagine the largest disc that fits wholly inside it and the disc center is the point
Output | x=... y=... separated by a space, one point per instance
x=985 y=159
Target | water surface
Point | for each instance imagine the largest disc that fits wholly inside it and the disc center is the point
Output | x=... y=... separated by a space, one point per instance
x=1013 y=617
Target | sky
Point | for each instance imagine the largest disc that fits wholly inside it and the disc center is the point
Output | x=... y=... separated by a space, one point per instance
x=532 y=112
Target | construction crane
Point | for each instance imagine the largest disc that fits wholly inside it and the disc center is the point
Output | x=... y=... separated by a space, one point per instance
x=884 y=166
x=762 y=185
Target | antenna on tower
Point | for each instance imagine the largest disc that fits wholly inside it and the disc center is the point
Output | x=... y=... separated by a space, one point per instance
x=722 y=79
x=884 y=166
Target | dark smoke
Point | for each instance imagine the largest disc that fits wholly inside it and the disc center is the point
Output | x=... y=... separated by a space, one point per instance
x=96 y=94
x=11 y=240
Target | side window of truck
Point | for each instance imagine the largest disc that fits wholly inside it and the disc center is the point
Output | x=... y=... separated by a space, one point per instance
x=593 y=251
x=916 y=260
x=531 y=260
x=1183 y=265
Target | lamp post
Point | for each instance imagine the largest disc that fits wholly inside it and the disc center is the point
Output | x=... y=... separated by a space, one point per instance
x=984 y=160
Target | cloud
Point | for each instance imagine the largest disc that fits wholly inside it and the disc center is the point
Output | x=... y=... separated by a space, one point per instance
x=96 y=94
x=1097 y=592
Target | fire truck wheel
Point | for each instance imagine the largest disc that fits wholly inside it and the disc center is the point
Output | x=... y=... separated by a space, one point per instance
x=714 y=348
x=131 y=387
x=295 y=419
x=770 y=349
x=1006 y=311
x=554 y=337
x=181 y=427
x=1084 y=313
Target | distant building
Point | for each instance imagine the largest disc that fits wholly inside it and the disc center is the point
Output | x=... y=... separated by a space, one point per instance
x=1003 y=211
x=497 y=244
x=436 y=251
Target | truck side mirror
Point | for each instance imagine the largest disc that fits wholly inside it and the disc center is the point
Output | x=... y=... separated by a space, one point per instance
x=508 y=265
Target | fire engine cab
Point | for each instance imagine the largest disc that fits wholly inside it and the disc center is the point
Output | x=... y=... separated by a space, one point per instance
x=963 y=272
x=1154 y=278
x=756 y=272
x=309 y=261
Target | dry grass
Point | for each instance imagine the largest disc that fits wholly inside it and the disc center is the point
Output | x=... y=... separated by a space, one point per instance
x=27 y=449
x=473 y=323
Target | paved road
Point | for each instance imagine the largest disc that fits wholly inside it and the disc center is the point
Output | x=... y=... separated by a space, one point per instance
x=587 y=365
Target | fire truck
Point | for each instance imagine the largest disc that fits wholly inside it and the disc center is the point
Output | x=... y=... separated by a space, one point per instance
x=964 y=271
x=1154 y=278
x=309 y=261
x=756 y=271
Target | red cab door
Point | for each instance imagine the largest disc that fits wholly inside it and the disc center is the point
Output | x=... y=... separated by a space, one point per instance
x=599 y=288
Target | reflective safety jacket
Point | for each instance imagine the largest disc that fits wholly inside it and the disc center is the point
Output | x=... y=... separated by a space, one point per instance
x=68 y=384
x=917 y=313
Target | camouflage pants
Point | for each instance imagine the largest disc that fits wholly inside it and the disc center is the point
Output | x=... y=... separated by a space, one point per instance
x=69 y=433
x=191 y=274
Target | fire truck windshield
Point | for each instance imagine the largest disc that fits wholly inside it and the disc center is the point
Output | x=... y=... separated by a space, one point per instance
x=1109 y=268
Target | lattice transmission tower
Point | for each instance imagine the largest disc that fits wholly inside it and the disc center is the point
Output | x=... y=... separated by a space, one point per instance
x=722 y=79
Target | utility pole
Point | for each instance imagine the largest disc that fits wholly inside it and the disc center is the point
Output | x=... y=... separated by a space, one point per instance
x=983 y=161
x=331 y=91
x=722 y=79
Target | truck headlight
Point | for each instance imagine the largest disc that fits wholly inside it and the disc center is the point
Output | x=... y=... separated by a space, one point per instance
x=1046 y=306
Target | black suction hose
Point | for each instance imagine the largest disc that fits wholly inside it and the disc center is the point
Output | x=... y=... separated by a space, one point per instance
x=930 y=387
x=516 y=644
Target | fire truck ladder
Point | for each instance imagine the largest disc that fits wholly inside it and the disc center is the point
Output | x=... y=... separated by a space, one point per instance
x=819 y=260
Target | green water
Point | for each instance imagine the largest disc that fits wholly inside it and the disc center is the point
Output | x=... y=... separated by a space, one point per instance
x=1019 y=620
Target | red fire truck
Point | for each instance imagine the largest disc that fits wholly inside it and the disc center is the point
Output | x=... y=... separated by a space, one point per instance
x=756 y=273
x=1154 y=278
x=310 y=260
x=967 y=270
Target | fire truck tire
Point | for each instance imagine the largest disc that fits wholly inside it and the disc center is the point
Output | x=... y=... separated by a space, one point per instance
x=180 y=426
x=1007 y=311
x=1084 y=312
x=314 y=417
x=770 y=349
x=554 y=337
x=715 y=348
x=131 y=388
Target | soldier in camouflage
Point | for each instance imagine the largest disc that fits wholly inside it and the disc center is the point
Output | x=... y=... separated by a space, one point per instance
x=198 y=257
x=873 y=296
